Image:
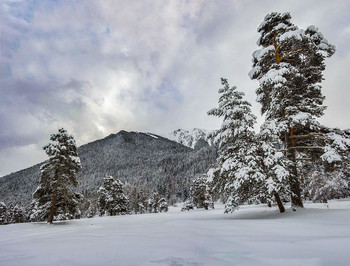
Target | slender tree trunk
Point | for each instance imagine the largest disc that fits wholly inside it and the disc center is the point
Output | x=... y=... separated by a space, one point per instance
x=296 y=194
x=294 y=182
x=53 y=206
x=279 y=202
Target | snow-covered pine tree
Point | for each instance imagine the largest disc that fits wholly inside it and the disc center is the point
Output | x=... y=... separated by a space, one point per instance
x=249 y=168
x=132 y=194
x=153 y=202
x=328 y=176
x=324 y=186
x=111 y=198
x=274 y=165
x=142 y=199
x=217 y=183
x=3 y=213
x=91 y=211
x=237 y=121
x=289 y=68
x=55 y=198
x=240 y=174
x=137 y=198
x=16 y=214
x=200 y=193
x=163 y=205
x=336 y=156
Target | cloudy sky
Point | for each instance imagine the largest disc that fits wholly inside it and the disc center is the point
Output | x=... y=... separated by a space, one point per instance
x=96 y=67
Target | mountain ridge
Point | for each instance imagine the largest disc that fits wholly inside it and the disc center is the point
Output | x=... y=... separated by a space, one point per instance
x=137 y=158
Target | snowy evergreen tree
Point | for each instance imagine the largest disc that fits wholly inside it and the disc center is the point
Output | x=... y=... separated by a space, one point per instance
x=336 y=151
x=137 y=198
x=324 y=186
x=217 y=182
x=238 y=122
x=17 y=214
x=142 y=208
x=111 y=198
x=289 y=69
x=12 y=214
x=328 y=176
x=274 y=166
x=3 y=213
x=91 y=211
x=200 y=193
x=249 y=169
x=55 y=198
x=153 y=203
x=163 y=205
x=239 y=175
x=134 y=200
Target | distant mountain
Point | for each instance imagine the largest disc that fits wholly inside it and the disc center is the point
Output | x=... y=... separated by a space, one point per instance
x=142 y=159
x=189 y=138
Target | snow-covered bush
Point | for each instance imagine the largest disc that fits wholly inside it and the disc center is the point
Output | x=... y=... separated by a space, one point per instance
x=188 y=205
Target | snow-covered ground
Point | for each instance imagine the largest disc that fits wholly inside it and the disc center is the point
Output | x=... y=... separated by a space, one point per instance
x=254 y=235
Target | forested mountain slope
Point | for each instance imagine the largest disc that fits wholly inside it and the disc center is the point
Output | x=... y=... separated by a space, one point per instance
x=140 y=159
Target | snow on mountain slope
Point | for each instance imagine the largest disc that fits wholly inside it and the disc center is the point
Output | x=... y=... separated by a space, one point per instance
x=189 y=138
x=142 y=159
x=254 y=235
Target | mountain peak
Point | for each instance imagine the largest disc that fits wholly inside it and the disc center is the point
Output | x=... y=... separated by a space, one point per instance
x=190 y=137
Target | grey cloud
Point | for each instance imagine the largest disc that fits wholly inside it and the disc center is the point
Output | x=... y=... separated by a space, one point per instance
x=28 y=107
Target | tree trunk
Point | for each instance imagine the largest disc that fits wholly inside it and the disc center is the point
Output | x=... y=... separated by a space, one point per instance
x=294 y=182
x=53 y=206
x=296 y=195
x=279 y=202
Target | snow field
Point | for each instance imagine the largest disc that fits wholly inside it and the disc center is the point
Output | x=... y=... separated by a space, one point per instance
x=253 y=235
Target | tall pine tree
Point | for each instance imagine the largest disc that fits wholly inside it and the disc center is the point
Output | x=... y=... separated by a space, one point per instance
x=289 y=68
x=249 y=170
x=55 y=197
